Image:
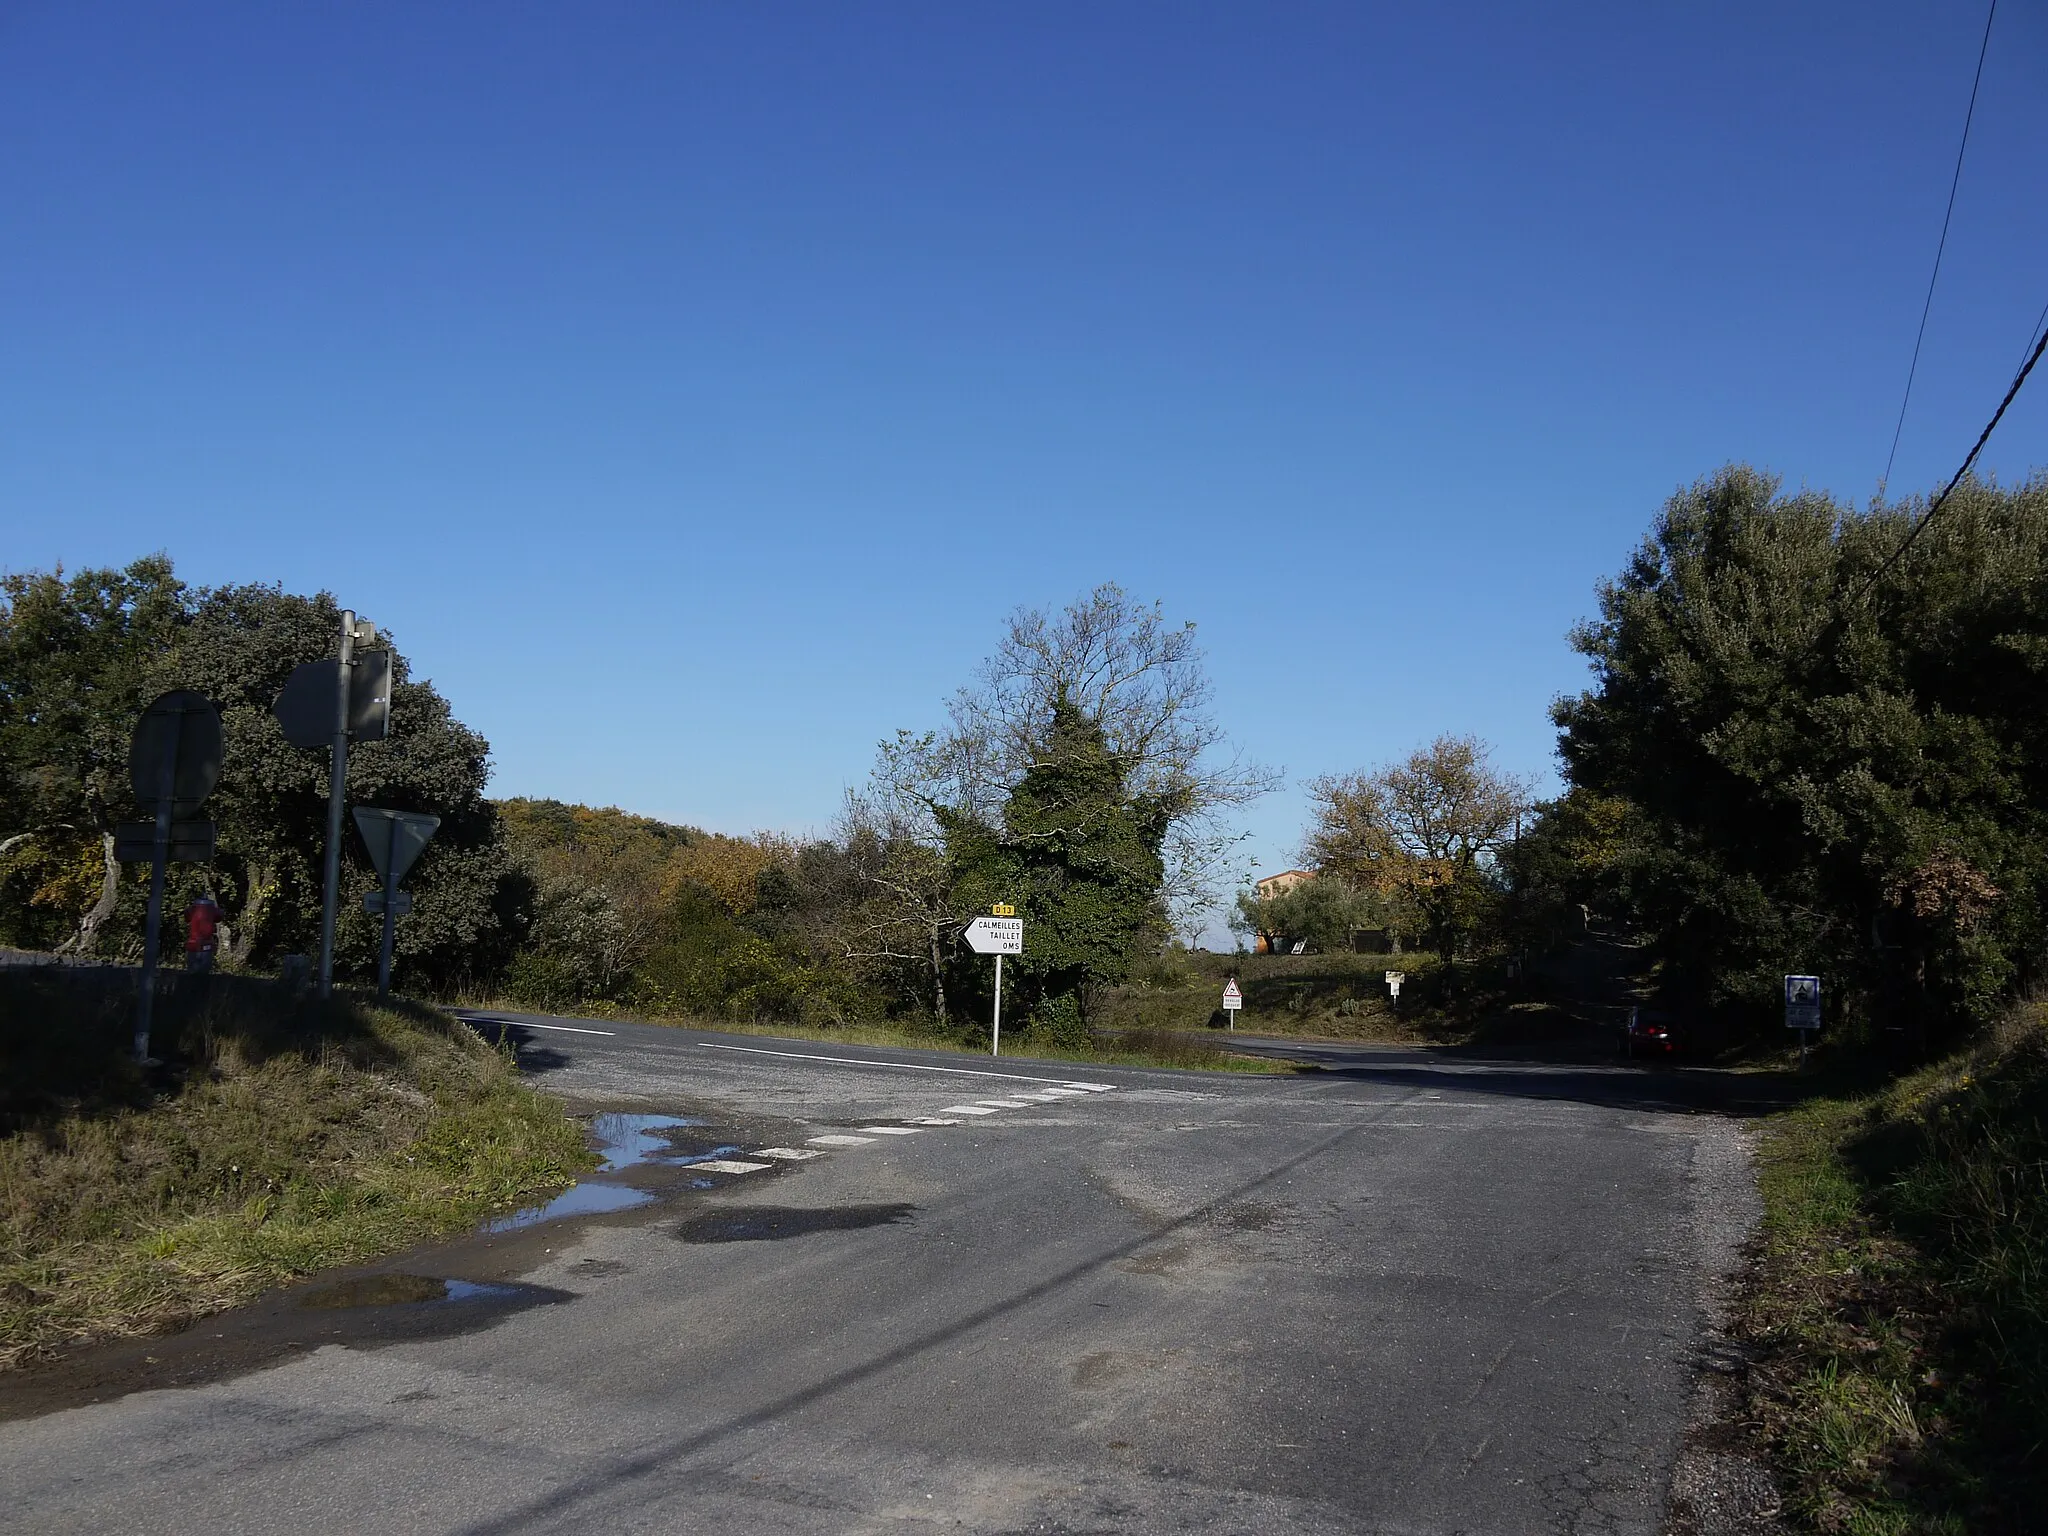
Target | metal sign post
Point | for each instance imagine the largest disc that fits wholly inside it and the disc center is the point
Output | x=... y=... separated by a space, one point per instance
x=395 y=839
x=1000 y=935
x=173 y=764
x=1233 y=1000
x=1802 y=1010
x=1394 y=980
x=324 y=704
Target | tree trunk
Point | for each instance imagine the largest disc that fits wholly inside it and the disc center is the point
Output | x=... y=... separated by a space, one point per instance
x=90 y=925
x=938 y=983
x=239 y=942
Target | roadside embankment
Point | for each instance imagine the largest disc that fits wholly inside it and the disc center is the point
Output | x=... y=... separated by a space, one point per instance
x=281 y=1136
x=1896 y=1313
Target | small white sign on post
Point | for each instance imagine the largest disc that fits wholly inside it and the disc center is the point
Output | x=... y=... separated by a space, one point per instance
x=1000 y=935
x=1233 y=1000
x=996 y=935
x=1394 y=980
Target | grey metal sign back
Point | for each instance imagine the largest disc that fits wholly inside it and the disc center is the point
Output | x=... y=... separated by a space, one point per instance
x=176 y=752
x=395 y=838
x=369 y=696
x=306 y=708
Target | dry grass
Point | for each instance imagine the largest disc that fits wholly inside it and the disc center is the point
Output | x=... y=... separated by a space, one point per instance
x=1898 y=1306
x=284 y=1138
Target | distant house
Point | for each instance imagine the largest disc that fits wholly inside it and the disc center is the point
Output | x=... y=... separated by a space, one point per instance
x=1275 y=885
x=1286 y=880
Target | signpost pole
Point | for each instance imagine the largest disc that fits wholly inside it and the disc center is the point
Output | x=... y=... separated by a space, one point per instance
x=160 y=855
x=331 y=890
x=995 y=1040
x=390 y=927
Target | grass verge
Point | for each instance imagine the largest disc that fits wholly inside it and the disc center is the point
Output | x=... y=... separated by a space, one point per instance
x=1897 y=1310
x=280 y=1137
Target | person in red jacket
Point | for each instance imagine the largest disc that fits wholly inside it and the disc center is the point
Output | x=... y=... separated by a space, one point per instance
x=202 y=925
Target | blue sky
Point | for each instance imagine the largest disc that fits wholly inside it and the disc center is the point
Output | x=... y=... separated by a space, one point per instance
x=692 y=389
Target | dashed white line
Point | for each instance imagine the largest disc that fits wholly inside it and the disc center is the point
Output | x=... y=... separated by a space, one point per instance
x=967 y=1109
x=903 y=1066
x=933 y=1120
x=840 y=1141
x=888 y=1130
x=1005 y=1103
x=729 y=1165
x=787 y=1154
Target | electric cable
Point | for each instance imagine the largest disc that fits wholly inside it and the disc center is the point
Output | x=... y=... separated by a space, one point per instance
x=1933 y=507
x=1940 y=246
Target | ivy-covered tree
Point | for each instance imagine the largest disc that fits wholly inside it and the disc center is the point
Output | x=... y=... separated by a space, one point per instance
x=1078 y=853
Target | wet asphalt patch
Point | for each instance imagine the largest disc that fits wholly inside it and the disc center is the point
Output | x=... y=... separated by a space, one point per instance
x=773 y=1223
x=363 y=1311
x=438 y=1290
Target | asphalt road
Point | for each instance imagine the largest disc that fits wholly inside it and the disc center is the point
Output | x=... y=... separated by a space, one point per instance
x=1402 y=1294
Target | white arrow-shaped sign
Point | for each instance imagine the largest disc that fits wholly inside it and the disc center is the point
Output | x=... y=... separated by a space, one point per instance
x=996 y=935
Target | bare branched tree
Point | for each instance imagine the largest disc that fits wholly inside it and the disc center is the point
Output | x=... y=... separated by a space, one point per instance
x=911 y=914
x=1141 y=679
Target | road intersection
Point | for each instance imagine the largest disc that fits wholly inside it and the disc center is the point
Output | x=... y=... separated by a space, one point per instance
x=925 y=1292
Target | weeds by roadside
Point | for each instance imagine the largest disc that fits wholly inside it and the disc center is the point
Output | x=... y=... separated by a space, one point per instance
x=282 y=1137
x=1898 y=1307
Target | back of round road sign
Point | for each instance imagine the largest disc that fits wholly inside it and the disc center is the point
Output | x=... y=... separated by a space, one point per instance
x=177 y=745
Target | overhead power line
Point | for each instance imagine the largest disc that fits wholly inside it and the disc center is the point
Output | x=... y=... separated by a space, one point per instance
x=1941 y=246
x=1935 y=506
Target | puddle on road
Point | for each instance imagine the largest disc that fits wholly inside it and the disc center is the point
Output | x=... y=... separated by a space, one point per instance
x=576 y=1200
x=771 y=1223
x=401 y=1291
x=628 y=1139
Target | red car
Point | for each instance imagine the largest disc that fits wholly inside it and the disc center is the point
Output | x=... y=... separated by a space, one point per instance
x=1650 y=1033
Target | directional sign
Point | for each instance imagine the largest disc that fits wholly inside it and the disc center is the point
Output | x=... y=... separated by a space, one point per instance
x=394 y=838
x=1232 y=998
x=1394 y=980
x=306 y=708
x=996 y=935
x=191 y=842
x=176 y=749
x=401 y=903
x=1802 y=1002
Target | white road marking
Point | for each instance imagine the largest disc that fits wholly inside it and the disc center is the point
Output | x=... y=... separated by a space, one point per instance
x=933 y=1120
x=730 y=1165
x=906 y=1066
x=1004 y=1103
x=888 y=1130
x=560 y=1029
x=841 y=1141
x=787 y=1154
x=966 y=1109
